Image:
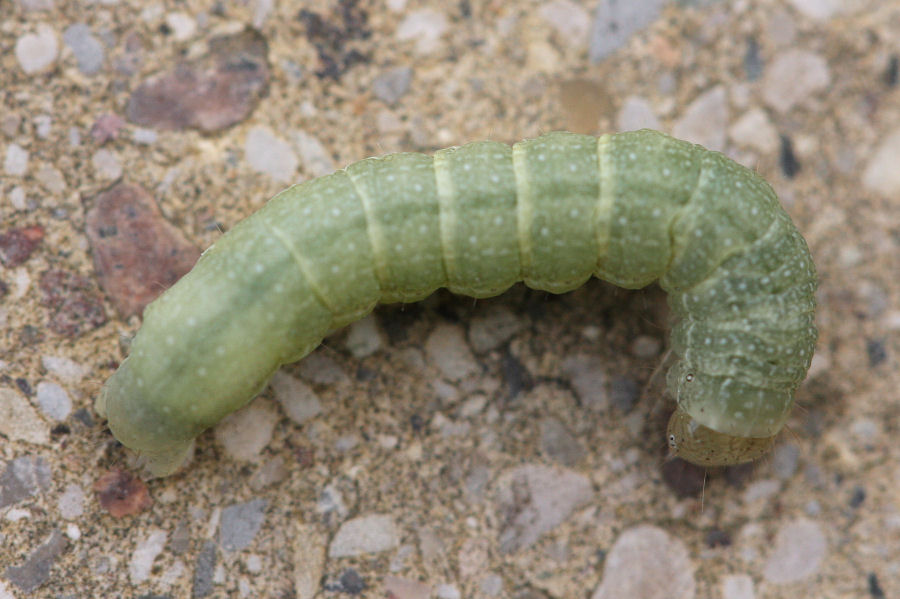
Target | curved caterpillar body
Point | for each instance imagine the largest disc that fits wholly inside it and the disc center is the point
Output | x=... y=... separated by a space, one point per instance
x=630 y=208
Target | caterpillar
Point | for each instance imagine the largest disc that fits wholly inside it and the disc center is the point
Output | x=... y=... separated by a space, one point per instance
x=630 y=208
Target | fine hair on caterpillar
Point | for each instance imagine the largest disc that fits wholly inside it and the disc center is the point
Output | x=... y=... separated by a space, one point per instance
x=630 y=208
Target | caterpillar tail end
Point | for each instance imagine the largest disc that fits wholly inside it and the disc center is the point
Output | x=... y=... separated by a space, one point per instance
x=701 y=445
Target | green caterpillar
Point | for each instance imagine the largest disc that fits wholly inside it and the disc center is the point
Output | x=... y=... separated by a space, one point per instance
x=630 y=208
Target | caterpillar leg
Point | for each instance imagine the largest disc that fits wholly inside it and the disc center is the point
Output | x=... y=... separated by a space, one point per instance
x=698 y=444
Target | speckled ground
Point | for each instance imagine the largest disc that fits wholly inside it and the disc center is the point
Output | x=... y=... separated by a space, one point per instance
x=498 y=448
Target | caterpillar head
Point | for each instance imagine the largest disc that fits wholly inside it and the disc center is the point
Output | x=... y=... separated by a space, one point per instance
x=701 y=445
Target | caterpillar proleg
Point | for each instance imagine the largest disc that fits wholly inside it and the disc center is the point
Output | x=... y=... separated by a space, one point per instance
x=630 y=208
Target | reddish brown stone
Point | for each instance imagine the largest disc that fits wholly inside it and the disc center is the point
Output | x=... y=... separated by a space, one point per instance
x=107 y=127
x=75 y=304
x=208 y=93
x=137 y=253
x=122 y=494
x=16 y=245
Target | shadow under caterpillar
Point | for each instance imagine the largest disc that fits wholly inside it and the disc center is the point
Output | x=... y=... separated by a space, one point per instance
x=630 y=208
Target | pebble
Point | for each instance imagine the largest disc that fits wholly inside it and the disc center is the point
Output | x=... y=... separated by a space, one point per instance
x=19 y=421
x=363 y=337
x=271 y=155
x=22 y=478
x=63 y=368
x=122 y=494
x=367 y=534
x=107 y=164
x=781 y=28
x=321 y=369
x=793 y=77
x=761 y=490
x=392 y=84
x=646 y=563
x=16 y=162
x=10 y=124
x=570 y=21
x=447 y=350
x=737 y=586
x=206 y=92
x=271 y=472
x=492 y=327
x=143 y=136
x=331 y=503
x=240 y=524
x=705 y=120
x=145 y=553
x=491 y=585
x=313 y=156
x=35 y=570
x=245 y=433
x=51 y=179
x=87 y=49
x=881 y=174
x=204 y=571
x=297 y=399
x=107 y=127
x=559 y=444
x=534 y=499
x=637 y=113
x=866 y=430
x=798 y=552
x=36 y=52
x=17 y=245
x=137 y=252
x=587 y=376
x=261 y=11
x=784 y=460
x=71 y=502
x=615 y=22
x=819 y=9
x=425 y=26
x=53 y=400
x=36 y=5
x=17 y=198
x=447 y=591
x=404 y=588
x=754 y=129
x=183 y=26
x=74 y=137
x=309 y=560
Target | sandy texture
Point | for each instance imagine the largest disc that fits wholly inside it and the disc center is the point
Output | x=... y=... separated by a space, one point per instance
x=453 y=448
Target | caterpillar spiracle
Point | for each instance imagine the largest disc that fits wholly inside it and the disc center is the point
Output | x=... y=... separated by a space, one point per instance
x=630 y=208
